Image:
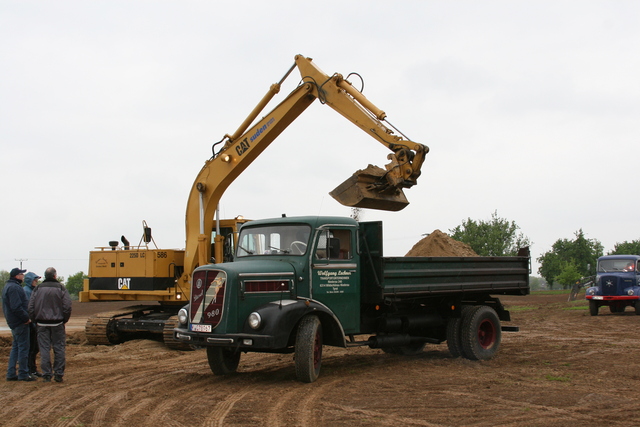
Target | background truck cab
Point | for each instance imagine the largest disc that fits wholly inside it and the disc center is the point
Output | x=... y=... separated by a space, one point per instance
x=617 y=284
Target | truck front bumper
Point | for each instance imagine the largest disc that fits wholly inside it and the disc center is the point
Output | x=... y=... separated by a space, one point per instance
x=626 y=298
x=246 y=342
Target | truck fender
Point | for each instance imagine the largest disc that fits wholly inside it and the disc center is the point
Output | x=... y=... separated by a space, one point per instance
x=281 y=318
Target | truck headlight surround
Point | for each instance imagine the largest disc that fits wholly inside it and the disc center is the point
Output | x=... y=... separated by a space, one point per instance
x=591 y=291
x=630 y=292
x=183 y=316
x=254 y=320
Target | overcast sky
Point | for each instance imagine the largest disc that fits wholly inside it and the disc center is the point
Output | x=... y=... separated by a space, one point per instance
x=108 y=110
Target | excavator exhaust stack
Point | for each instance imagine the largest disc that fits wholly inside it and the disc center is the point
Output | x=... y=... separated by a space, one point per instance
x=368 y=188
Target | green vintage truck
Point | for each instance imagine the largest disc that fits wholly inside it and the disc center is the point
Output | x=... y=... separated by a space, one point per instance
x=299 y=283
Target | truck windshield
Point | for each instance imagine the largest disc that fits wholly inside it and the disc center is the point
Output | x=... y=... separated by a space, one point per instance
x=287 y=239
x=609 y=265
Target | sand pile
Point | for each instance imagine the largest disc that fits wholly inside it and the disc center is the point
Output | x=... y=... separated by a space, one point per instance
x=440 y=244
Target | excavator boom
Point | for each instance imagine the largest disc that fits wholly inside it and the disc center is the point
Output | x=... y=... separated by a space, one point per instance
x=372 y=187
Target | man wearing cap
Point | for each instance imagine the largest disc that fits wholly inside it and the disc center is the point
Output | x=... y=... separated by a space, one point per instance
x=30 y=282
x=50 y=308
x=14 y=305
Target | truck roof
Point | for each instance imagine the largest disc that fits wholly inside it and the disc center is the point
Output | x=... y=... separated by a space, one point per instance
x=313 y=221
x=636 y=257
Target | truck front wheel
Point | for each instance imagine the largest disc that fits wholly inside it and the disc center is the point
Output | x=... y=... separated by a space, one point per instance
x=480 y=333
x=593 y=308
x=308 y=352
x=223 y=360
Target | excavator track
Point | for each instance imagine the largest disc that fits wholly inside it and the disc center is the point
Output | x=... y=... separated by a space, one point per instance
x=169 y=340
x=100 y=328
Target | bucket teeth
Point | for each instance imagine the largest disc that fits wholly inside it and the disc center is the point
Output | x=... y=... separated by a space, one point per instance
x=368 y=188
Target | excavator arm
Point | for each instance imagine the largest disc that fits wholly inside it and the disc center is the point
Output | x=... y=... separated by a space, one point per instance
x=373 y=187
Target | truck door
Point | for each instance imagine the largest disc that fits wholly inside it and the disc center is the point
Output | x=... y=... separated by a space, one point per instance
x=335 y=274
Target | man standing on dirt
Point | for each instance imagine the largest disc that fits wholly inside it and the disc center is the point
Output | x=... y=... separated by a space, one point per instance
x=50 y=308
x=30 y=283
x=14 y=305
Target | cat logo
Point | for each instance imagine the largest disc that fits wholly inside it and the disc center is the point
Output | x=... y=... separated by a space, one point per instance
x=124 y=283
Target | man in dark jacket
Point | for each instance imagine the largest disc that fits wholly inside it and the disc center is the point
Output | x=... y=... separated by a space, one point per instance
x=50 y=308
x=14 y=305
x=30 y=283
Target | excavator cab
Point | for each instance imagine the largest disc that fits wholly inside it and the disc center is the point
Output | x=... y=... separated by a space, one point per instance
x=369 y=188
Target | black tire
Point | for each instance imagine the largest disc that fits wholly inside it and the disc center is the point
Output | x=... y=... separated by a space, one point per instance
x=454 y=338
x=593 y=308
x=308 y=351
x=636 y=306
x=480 y=333
x=616 y=308
x=223 y=360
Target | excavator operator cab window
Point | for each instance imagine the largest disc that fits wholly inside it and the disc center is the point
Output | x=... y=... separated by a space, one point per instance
x=334 y=244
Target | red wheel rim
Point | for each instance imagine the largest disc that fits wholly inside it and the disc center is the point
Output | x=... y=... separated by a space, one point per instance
x=486 y=334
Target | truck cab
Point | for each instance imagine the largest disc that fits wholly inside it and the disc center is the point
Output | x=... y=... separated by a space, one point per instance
x=617 y=284
x=281 y=272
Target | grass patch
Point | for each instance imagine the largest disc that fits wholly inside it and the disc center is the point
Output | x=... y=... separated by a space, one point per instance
x=576 y=307
x=522 y=307
x=552 y=292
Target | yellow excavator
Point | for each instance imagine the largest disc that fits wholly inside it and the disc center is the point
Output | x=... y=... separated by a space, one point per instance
x=142 y=274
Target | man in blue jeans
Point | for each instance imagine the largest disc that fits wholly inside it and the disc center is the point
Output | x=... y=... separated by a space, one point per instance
x=14 y=305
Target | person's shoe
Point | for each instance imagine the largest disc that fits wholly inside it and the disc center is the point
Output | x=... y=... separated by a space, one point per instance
x=57 y=378
x=26 y=379
x=12 y=378
x=46 y=379
x=36 y=374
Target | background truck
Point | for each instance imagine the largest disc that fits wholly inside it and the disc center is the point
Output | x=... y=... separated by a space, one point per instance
x=617 y=284
x=165 y=275
x=297 y=284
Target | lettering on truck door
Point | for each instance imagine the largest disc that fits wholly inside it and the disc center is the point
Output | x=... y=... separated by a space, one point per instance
x=335 y=276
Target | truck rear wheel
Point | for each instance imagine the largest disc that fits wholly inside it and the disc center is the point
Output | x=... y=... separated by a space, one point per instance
x=593 y=308
x=480 y=333
x=223 y=360
x=308 y=352
x=454 y=337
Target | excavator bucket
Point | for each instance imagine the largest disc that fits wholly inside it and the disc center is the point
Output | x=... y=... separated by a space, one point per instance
x=367 y=188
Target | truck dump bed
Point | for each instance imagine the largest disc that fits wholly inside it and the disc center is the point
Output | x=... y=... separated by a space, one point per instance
x=423 y=276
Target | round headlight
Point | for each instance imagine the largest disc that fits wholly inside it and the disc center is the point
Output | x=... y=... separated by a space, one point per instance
x=183 y=316
x=630 y=292
x=255 y=320
x=591 y=291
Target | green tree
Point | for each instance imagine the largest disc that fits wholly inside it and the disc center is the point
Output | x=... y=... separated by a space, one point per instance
x=4 y=276
x=626 y=248
x=569 y=275
x=496 y=237
x=75 y=283
x=581 y=252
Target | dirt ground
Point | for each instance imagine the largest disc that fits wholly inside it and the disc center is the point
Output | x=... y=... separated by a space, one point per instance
x=564 y=367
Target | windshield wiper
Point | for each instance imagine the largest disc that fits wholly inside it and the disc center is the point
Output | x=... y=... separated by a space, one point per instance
x=246 y=250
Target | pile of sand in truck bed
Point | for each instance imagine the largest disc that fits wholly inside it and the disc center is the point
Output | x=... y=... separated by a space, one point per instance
x=440 y=244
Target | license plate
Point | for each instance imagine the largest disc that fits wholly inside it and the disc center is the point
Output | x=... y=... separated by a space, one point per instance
x=598 y=297
x=201 y=328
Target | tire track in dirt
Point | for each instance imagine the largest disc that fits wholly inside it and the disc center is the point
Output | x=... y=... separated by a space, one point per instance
x=216 y=418
x=565 y=416
x=370 y=417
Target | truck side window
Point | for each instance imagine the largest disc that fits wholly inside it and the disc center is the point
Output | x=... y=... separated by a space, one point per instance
x=334 y=244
